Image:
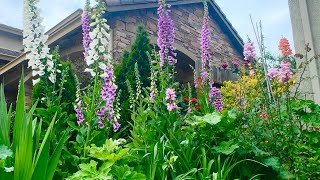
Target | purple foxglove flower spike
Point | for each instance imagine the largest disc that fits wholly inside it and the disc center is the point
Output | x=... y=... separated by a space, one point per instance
x=205 y=44
x=165 y=35
x=215 y=93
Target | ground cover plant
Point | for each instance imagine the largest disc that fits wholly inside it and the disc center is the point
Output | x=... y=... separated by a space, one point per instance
x=257 y=127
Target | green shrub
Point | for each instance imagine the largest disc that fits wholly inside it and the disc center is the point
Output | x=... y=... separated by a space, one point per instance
x=125 y=71
x=69 y=88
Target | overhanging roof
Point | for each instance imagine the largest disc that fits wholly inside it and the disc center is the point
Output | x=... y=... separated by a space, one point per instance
x=10 y=29
x=73 y=21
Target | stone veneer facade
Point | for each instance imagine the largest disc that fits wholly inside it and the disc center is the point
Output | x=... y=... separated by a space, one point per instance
x=187 y=23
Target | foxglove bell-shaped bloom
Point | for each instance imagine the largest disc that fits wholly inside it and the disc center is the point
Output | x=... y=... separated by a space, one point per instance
x=85 y=32
x=108 y=94
x=97 y=42
x=34 y=42
x=166 y=35
x=171 y=97
x=205 y=44
x=216 y=94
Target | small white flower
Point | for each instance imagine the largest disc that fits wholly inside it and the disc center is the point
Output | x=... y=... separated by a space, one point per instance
x=41 y=73
x=100 y=35
x=104 y=41
x=58 y=71
x=90 y=62
x=35 y=81
x=104 y=75
x=101 y=49
x=50 y=64
x=52 y=78
x=102 y=66
x=96 y=57
x=91 y=71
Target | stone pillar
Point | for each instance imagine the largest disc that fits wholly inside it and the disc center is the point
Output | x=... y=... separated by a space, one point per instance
x=305 y=19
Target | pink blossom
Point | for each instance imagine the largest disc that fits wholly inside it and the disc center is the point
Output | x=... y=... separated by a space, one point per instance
x=171 y=97
x=285 y=72
x=235 y=64
x=171 y=106
x=273 y=73
x=249 y=51
x=170 y=94
x=251 y=72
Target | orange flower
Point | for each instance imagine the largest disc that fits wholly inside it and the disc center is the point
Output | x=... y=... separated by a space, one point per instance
x=284 y=47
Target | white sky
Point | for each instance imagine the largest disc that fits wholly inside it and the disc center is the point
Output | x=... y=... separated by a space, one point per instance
x=274 y=15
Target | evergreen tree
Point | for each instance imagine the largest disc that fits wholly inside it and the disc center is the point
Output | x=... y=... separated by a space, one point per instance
x=125 y=70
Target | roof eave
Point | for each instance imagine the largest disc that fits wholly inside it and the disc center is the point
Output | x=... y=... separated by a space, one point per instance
x=67 y=25
x=10 y=30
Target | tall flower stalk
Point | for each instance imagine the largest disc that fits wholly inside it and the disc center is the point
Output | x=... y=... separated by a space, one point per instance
x=205 y=44
x=166 y=35
x=86 y=29
x=100 y=98
x=34 y=41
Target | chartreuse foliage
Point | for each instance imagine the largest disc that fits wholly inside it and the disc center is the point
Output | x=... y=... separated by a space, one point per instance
x=107 y=163
x=28 y=152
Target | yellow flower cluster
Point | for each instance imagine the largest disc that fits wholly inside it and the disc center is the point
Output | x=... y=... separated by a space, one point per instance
x=242 y=92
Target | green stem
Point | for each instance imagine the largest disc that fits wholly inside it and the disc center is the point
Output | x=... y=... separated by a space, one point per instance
x=92 y=111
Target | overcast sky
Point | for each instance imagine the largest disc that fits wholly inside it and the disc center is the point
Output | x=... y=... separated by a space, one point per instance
x=274 y=15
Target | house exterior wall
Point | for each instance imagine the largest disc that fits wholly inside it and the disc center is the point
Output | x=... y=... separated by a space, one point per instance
x=10 y=41
x=305 y=18
x=187 y=23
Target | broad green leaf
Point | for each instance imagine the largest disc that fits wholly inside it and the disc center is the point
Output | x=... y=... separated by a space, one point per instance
x=212 y=118
x=226 y=147
x=272 y=162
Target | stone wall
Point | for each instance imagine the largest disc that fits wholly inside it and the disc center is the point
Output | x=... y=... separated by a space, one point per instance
x=187 y=22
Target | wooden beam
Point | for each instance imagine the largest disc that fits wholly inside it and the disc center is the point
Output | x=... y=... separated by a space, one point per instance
x=13 y=63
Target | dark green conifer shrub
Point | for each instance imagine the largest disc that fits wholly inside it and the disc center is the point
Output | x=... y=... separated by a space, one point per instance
x=125 y=70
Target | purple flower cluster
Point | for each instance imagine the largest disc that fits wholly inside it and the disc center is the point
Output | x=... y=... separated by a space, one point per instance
x=284 y=73
x=79 y=115
x=171 y=97
x=166 y=35
x=216 y=94
x=205 y=44
x=224 y=65
x=85 y=32
x=235 y=64
x=249 y=51
x=108 y=94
